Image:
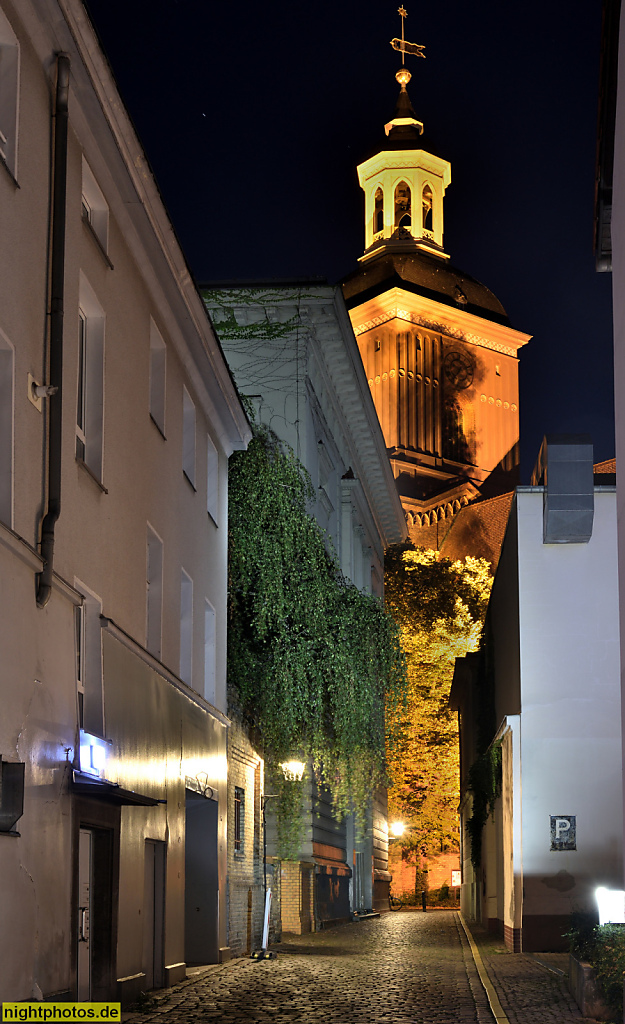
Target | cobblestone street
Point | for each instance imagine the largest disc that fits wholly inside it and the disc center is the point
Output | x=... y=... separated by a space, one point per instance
x=404 y=968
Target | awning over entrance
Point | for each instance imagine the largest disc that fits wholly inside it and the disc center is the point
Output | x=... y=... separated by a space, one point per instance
x=86 y=785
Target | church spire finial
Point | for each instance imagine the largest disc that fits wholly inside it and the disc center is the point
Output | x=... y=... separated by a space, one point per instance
x=404 y=118
x=402 y=44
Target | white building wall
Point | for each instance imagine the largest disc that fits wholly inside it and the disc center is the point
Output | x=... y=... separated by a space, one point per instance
x=570 y=732
x=158 y=731
x=618 y=305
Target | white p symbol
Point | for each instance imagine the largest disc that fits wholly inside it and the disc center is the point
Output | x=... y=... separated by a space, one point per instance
x=562 y=825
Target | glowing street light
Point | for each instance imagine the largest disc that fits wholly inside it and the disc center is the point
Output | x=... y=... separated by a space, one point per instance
x=611 y=905
x=293 y=770
x=397 y=829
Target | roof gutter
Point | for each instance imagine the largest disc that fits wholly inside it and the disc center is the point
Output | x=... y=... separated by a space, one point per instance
x=57 y=285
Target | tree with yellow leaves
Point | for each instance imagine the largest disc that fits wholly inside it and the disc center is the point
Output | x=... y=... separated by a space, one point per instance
x=440 y=607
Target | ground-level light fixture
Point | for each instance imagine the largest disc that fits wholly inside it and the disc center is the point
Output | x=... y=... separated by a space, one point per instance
x=611 y=905
x=293 y=770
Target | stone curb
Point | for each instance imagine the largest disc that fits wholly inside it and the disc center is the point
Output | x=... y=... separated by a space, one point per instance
x=165 y=995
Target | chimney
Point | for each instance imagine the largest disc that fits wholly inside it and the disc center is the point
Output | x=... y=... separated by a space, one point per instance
x=565 y=468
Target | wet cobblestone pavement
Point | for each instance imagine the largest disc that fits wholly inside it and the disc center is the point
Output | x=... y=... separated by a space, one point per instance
x=402 y=968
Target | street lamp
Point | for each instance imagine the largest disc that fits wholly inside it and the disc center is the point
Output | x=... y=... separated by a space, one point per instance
x=397 y=829
x=293 y=771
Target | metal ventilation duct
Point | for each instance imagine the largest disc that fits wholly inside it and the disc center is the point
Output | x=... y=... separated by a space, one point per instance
x=565 y=468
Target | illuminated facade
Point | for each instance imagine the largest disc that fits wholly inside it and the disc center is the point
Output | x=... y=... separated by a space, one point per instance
x=545 y=690
x=440 y=355
x=113 y=725
x=293 y=354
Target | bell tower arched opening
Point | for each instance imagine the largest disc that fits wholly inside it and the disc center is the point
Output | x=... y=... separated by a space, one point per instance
x=403 y=206
x=378 y=211
x=427 y=208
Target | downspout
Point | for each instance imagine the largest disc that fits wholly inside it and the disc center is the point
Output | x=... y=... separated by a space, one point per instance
x=57 y=282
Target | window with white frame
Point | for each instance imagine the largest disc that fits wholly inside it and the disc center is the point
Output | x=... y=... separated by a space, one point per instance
x=94 y=206
x=90 y=384
x=188 y=437
x=209 y=652
x=158 y=369
x=154 y=593
x=79 y=625
x=89 y=661
x=6 y=430
x=9 y=93
x=186 y=627
x=212 y=479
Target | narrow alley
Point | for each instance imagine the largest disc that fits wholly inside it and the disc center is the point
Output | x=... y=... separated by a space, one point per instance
x=405 y=968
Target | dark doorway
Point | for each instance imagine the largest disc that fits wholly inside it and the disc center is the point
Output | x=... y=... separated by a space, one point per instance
x=94 y=918
x=201 y=880
x=154 y=913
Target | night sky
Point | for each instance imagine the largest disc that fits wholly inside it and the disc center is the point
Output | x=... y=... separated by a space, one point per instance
x=255 y=115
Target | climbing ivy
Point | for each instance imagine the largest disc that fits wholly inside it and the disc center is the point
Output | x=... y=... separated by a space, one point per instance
x=219 y=303
x=485 y=787
x=311 y=659
x=287 y=805
x=484 y=777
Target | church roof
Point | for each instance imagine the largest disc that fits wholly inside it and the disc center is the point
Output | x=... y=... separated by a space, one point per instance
x=478 y=529
x=425 y=274
x=404 y=130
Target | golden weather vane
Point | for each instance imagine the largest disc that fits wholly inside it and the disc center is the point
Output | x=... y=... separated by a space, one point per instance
x=402 y=44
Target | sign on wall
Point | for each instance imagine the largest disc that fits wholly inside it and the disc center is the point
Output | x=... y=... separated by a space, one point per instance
x=456 y=878
x=563 y=832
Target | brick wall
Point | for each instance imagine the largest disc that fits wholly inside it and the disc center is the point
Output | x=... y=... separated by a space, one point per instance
x=403 y=871
x=245 y=866
x=297 y=881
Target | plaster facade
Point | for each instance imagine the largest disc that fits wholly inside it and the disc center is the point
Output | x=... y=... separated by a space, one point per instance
x=615 y=247
x=113 y=692
x=294 y=355
x=553 y=663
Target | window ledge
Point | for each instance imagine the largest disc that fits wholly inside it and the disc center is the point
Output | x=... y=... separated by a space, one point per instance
x=90 y=473
x=189 y=481
x=97 y=241
x=9 y=172
x=161 y=432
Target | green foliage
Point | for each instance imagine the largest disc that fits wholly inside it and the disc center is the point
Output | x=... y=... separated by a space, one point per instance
x=310 y=657
x=603 y=946
x=485 y=787
x=219 y=303
x=439 y=606
x=581 y=933
x=290 y=823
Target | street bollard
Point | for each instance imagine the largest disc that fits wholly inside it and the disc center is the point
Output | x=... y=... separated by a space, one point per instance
x=424 y=900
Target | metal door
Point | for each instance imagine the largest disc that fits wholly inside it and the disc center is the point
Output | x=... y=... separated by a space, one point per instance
x=154 y=913
x=201 y=880
x=359 y=881
x=85 y=872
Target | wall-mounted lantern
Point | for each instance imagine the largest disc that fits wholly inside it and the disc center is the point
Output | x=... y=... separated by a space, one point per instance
x=93 y=754
x=293 y=770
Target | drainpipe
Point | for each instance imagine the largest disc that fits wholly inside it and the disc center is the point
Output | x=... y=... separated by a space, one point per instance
x=57 y=281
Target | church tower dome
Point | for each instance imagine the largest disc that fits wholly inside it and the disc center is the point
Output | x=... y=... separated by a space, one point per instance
x=404 y=187
x=439 y=352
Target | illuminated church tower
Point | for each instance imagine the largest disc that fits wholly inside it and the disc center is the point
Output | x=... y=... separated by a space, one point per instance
x=440 y=355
